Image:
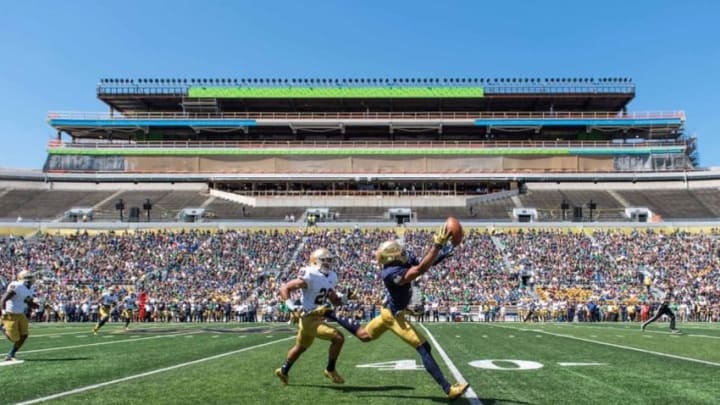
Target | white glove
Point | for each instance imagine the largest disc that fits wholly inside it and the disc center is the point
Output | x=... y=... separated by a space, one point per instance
x=291 y=304
x=343 y=298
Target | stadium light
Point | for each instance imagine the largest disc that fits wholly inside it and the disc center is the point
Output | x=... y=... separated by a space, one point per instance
x=147 y=206
x=592 y=205
x=120 y=206
x=564 y=206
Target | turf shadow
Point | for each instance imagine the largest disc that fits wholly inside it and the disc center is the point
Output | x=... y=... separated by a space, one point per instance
x=358 y=388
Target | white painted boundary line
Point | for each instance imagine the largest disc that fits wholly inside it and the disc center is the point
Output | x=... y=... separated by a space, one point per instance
x=62 y=333
x=113 y=329
x=469 y=394
x=114 y=342
x=672 y=356
x=632 y=330
x=148 y=373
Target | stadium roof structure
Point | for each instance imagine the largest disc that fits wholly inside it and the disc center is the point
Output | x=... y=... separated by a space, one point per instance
x=366 y=94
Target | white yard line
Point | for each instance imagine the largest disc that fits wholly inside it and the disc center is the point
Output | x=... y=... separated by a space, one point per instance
x=672 y=356
x=469 y=394
x=148 y=373
x=33 y=336
x=51 y=349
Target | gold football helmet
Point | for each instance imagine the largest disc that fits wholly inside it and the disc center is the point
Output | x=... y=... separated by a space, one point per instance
x=322 y=258
x=389 y=252
x=26 y=275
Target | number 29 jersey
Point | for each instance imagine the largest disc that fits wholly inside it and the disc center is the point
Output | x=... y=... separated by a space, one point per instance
x=318 y=287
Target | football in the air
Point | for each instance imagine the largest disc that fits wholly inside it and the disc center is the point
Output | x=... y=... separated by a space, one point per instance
x=455 y=229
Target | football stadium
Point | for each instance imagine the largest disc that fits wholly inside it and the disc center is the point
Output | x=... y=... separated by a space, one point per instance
x=165 y=244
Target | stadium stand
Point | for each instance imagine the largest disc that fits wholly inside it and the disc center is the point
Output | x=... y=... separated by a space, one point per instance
x=498 y=268
x=672 y=204
x=46 y=204
x=476 y=147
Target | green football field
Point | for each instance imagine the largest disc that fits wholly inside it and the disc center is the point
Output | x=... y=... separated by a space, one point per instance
x=505 y=363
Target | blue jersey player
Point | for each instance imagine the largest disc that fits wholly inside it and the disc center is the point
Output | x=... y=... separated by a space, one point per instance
x=399 y=269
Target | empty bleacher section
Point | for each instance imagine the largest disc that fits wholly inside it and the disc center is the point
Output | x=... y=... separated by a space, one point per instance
x=108 y=212
x=46 y=204
x=224 y=210
x=608 y=208
x=169 y=205
x=548 y=203
x=498 y=210
x=220 y=209
x=710 y=197
x=674 y=204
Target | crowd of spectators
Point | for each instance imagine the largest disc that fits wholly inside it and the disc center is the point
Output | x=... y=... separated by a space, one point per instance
x=223 y=276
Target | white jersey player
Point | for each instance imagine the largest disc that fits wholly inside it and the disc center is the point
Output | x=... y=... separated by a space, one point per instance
x=108 y=301
x=15 y=303
x=317 y=283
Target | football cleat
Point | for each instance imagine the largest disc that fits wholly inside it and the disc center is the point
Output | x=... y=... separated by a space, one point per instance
x=675 y=331
x=95 y=331
x=642 y=327
x=283 y=377
x=9 y=358
x=334 y=376
x=457 y=389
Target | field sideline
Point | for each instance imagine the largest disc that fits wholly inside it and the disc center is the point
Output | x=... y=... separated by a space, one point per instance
x=505 y=363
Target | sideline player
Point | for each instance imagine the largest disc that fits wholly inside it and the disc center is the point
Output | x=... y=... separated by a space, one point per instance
x=317 y=282
x=16 y=302
x=663 y=309
x=129 y=307
x=399 y=269
x=107 y=302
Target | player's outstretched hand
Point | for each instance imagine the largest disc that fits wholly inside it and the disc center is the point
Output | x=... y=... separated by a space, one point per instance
x=441 y=237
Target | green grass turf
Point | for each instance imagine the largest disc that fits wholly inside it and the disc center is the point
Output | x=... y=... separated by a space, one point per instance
x=63 y=357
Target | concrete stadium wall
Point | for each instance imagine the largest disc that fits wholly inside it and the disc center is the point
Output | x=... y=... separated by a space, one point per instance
x=101 y=186
x=625 y=185
x=161 y=164
x=596 y=164
x=363 y=164
x=234 y=164
x=462 y=164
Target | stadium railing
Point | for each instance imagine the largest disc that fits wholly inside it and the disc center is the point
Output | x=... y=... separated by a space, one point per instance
x=369 y=115
x=120 y=144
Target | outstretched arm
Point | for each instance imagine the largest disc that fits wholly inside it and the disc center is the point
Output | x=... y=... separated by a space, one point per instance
x=440 y=239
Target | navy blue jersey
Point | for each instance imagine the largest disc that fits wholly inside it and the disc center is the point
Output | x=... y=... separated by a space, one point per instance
x=398 y=295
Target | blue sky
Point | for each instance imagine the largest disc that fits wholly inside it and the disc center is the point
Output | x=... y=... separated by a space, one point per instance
x=54 y=53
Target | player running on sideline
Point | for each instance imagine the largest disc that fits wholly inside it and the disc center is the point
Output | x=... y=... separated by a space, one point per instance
x=15 y=303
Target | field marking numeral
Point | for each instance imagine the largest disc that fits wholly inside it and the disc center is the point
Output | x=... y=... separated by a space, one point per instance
x=397 y=365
